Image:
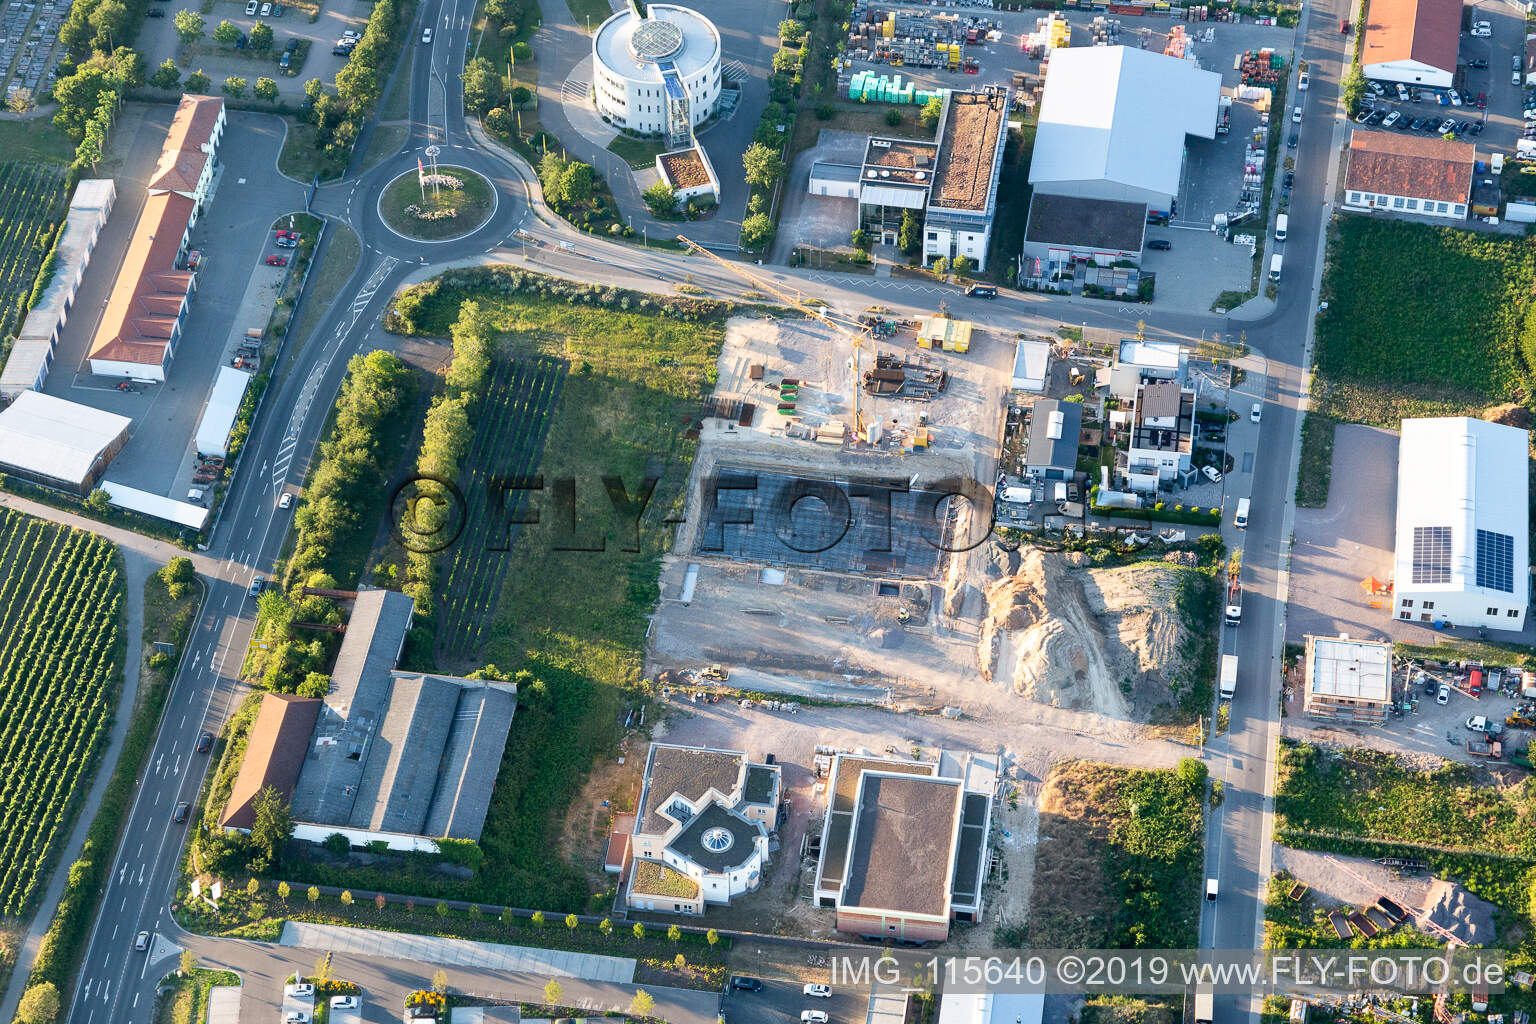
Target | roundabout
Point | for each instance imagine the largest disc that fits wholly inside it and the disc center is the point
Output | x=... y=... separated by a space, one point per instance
x=437 y=206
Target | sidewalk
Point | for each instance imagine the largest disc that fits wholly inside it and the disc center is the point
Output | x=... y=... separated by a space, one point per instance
x=491 y=956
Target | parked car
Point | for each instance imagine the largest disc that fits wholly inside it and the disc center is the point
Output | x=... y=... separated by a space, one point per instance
x=1291 y=142
x=819 y=991
x=266 y=10
x=1391 y=119
x=745 y=983
x=1444 y=695
x=293 y=44
x=1456 y=99
x=1447 y=126
x=1376 y=117
x=277 y=261
x=277 y=11
x=181 y=812
x=295 y=1017
x=426 y=36
x=1211 y=473
x=1295 y=115
x=340 y=51
x=154 y=12
x=141 y=942
x=813 y=1017
x=344 y=1002
x=1160 y=244
x=286 y=501
x=252 y=6
x=351 y=34
x=1477 y=62
x=1301 y=83
x=1364 y=115
x=302 y=988
x=1402 y=92
x=1290 y=179
x=1477 y=128
x=982 y=291
x=205 y=743
x=1481 y=101
x=285 y=60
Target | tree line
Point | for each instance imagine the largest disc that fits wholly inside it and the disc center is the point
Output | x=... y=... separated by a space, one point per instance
x=446 y=434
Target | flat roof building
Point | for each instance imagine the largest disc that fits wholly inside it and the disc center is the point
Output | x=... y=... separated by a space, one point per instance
x=701 y=832
x=1141 y=361
x=1462 y=550
x=1412 y=41
x=973 y=133
x=1348 y=680
x=31 y=356
x=904 y=844
x=1031 y=365
x=63 y=445
x=656 y=71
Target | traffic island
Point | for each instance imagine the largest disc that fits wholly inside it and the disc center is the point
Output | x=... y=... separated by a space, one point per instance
x=437 y=206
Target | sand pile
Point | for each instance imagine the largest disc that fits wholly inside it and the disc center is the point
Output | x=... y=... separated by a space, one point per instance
x=1106 y=640
x=1459 y=912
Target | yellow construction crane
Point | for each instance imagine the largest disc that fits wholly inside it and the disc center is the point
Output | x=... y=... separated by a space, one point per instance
x=839 y=325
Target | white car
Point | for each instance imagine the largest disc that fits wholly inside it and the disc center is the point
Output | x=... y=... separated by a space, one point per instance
x=302 y=988
x=141 y=942
x=1391 y=119
x=813 y=1017
x=1402 y=92
x=1295 y=115
x=819 y=991
x=251 y=6
x=1301 y=83
x=286 y=501
x=426 y=37
x=1211 y=473
x=343 y=1002
x=266 y=10
x=1444 y=696
x=295 y=1017
x=1256 y=412
x=350 y=34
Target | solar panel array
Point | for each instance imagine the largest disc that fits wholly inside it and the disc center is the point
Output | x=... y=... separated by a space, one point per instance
x=1496 y=561
x=1431 y=554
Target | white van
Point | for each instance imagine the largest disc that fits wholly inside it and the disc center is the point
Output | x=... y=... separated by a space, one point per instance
x=1498 y=163
x=1274 y=266
x=1241 y=519
x=1282 y=222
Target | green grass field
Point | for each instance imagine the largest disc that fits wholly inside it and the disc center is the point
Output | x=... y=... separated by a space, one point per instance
x=638 y=366
x=1421 y=321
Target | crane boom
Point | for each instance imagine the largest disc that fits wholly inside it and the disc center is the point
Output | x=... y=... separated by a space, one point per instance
x=855 y=338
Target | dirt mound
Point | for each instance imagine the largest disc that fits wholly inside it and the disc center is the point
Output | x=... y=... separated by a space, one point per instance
x=1085 y=639
x=1457 y=911
x=1509 y=414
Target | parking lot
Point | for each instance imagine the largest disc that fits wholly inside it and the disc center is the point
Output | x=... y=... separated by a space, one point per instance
x=1430 y=729
x=1353 y=537
x=158 y=41
x=234 y=234
x=1489 y=114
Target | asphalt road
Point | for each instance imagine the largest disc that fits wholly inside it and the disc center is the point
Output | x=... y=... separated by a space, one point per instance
x=117 y=984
